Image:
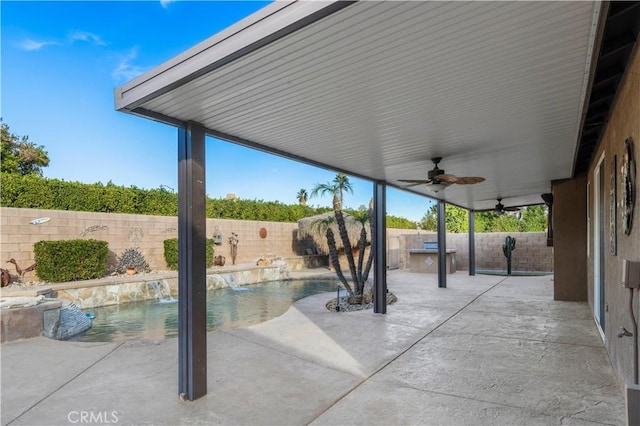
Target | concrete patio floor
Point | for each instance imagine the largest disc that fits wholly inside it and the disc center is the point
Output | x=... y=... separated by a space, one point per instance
x=487 y=350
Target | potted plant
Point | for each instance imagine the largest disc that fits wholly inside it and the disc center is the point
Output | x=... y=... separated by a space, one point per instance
x=131 y=262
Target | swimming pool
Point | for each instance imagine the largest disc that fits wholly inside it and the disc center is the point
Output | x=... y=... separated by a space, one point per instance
x=226 y=307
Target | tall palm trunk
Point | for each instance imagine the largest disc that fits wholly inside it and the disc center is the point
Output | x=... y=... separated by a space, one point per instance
x=362 y=244
x=335 y=260
x=344 y=236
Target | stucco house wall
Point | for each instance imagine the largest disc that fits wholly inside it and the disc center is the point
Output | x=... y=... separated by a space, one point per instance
x=623 y=123
x=570 y=240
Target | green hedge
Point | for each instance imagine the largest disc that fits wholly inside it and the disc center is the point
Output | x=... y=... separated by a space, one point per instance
x=71 y=260
x=171 y=253
x=41 y=193
x=35 y=192
x=399 y=223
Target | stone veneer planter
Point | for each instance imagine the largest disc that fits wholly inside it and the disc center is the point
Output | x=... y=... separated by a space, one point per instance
x=91 y=294
x=130 y=288
x=26 y=322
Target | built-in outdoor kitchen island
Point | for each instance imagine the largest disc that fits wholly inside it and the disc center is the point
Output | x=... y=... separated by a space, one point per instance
x=425 y=260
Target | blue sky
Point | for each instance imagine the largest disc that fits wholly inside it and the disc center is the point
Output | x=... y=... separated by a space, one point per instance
x=61 y=62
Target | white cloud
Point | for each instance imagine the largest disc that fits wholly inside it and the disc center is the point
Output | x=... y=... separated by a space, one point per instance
x=126 y=70
x=32 y=45
x=35 y=45
x=165 y=3
x=88 y=37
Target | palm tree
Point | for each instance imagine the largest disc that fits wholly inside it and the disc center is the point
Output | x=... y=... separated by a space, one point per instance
x=302 y=197
x=337 y=187
x=322 y=189
x=342 y=184
x=323 y=226
x=344 y=236
x=364 y=218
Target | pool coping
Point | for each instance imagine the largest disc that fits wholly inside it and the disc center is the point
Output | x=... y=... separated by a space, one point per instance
x=116 y=280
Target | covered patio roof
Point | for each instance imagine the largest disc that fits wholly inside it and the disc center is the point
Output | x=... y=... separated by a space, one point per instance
x=500 y=90
x=376 y=89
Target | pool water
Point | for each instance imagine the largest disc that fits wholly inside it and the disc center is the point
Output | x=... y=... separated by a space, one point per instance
x=226 y=307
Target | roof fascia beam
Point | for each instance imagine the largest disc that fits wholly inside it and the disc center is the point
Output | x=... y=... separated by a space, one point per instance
x=259 y=29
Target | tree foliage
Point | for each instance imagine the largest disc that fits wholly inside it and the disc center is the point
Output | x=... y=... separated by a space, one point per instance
x=535 y=218
x=457 y=219
x=529 y=219
x=21 y=156
x=399 y=222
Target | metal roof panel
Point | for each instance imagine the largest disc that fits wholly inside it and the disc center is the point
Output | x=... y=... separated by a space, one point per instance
x=378 y=88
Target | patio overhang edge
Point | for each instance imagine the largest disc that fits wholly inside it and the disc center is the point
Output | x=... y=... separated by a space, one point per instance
x=257 y=30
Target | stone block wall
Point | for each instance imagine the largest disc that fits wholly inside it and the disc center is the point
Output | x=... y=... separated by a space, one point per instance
x=531 y=254
x=122 y=231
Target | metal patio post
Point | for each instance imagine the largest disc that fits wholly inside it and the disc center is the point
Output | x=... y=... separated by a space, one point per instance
x=442 y=246
x=472 y=242
x=192 y=300
x=379 y=245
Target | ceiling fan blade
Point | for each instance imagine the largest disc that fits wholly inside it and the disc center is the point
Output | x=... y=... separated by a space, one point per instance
x=447 y=178
x=512 y=209
x=469 y=180
x=415 y=181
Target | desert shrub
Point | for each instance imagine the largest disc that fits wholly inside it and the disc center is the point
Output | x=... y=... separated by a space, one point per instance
x=71 y=260
x=171 y=253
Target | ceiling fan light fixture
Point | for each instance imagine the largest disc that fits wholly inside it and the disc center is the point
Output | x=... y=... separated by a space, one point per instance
x=436 y=187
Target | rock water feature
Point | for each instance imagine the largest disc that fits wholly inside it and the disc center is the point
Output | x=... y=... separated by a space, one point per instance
x=233 y=284
x=163 y=292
